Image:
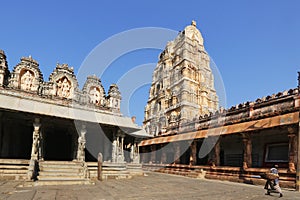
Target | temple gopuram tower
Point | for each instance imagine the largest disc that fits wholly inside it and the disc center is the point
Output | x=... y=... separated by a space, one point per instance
x=182 y=84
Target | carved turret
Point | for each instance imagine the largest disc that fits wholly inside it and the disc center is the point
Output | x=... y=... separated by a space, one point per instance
x=26 y=80
x=114 y=97
x=4 y=72
x=94 y=90
x=26 y=75
x=64 y=81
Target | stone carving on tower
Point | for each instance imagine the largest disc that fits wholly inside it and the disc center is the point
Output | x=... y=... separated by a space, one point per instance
x=26 y=75
x=64 y=81
x=114 y=97
x=182 y=84
x=94 y=90
x=27 y=80
x=4 y=72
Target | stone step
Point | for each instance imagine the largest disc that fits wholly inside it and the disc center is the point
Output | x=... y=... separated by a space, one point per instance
x=61 y=162
x=94 y=173
x=92 y=164
x=63 y=182
x=59 y=178
x=13 y=171
x=117 y=165
x=13 y=177
x=14 y=161
x=13 y=167
x=62 y=169
x=93 y=168
x=51 y=166
x=61 y=173
x=113 y=169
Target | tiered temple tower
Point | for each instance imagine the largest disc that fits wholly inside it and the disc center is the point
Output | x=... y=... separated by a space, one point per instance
x=183 y=84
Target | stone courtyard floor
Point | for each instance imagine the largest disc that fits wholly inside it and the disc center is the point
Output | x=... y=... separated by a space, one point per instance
x=152 y=186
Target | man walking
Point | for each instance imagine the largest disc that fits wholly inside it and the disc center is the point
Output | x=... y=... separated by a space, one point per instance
x=273 y=181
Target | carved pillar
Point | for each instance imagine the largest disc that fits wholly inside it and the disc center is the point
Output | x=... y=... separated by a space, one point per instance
x=35 y=139
x=34 y=149
x=153 y=154
x=138 y=160
x=193 y=153
x=122 y=144
x=114 y=149
x=118 y=152
x=41 y=146
x=216 y=156
x=134 y=154
x=163 y=158
x=176 y=152
x=121 y=158
x=292 y=152
x=247 y=151
x=81 y=144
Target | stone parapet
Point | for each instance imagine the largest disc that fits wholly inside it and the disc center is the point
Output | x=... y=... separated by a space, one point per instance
x=27 y=79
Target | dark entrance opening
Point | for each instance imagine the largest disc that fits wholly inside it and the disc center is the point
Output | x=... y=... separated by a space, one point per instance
x=15 y=135
x=58 y=146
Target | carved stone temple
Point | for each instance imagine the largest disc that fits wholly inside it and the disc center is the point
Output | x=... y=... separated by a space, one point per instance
x=50 y=127
x=53 y=132
x=195 y=138
x=183 y=84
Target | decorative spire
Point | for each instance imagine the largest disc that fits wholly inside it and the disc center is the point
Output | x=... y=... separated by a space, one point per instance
x=194 y=23
x=2 y=52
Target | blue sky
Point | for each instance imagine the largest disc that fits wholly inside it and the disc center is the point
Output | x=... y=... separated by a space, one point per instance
x=255 y=44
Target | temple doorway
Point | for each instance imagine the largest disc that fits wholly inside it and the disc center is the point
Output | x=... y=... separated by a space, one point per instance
x=15 y=135
x=59 y=141
x=58 y=146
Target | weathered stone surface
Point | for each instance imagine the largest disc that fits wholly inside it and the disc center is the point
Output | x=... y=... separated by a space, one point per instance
x=154 y=186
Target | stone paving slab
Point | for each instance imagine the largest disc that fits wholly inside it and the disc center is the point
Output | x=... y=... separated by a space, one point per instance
x=153 y=186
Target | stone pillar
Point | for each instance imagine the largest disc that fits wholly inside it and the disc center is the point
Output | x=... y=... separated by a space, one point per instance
x=193 y=153
x=292 y=152
x=81 y=144
x=118 y=152
x=41 y=146
x=153 y=154
x=34 y=149
x=216 y=156
x=134 y=154
x=122 y=144
x=163 y=158
x=176 y=152
x=35 y=139
x=247 y=151
x=114 y=150
x=121 y=158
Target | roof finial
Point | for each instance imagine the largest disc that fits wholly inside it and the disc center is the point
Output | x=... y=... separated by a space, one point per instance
x=194 y=23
